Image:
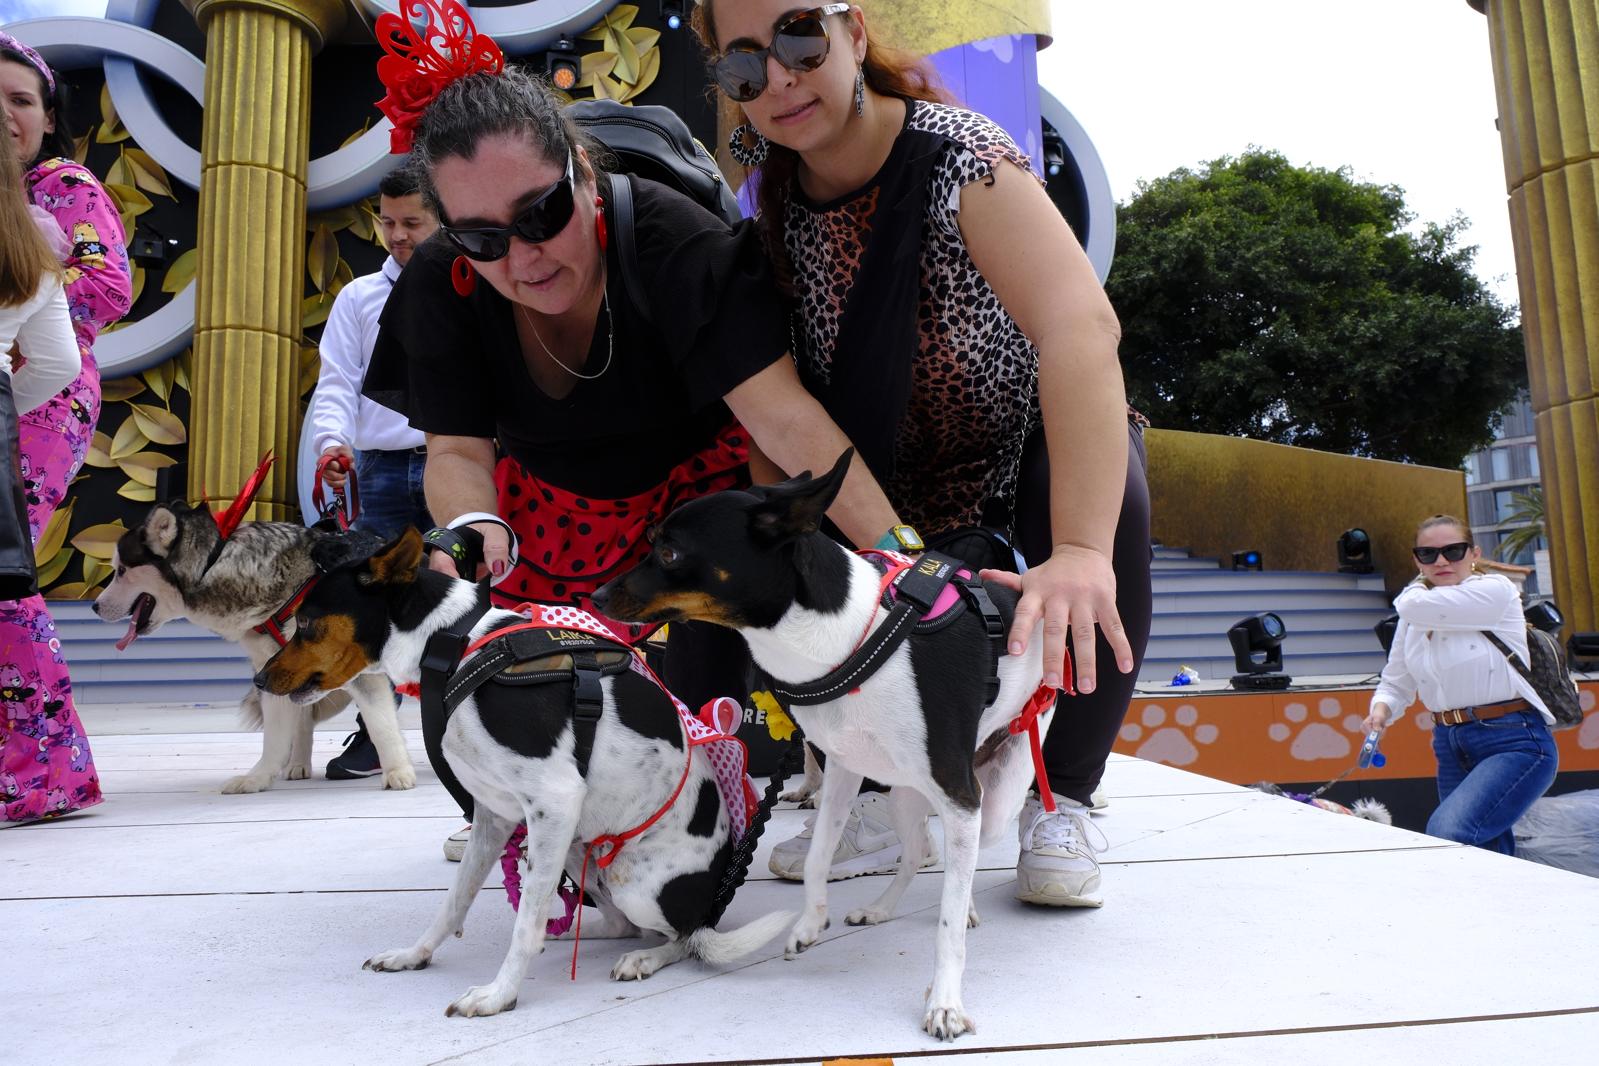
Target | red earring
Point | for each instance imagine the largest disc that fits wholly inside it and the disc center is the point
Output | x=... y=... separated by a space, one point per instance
x=462 y=277
x=599 y=224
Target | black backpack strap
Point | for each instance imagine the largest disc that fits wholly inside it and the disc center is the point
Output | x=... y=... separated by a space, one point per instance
x=588 y=700
x=440 y=657
x=993 y=624
x=622 y=216
x=1520 y=667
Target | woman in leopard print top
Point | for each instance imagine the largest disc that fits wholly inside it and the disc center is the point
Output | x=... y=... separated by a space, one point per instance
x=951 y=324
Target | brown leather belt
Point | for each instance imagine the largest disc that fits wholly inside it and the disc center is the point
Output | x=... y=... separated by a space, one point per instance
x=1480 y=714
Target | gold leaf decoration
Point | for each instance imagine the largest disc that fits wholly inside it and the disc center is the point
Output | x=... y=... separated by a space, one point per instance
x=644 y=38
x=98 y=542
x=54 y=535
x=649 y=68
x=181 y=272
x=132 y=490
x=314 y=309
x=322 y=257
x=161 y=427
x=129 y=200
x=339 y=218
x=99 y=453
x=80 y=147
x=342 y=276
x=142 y=467
x=594 y=64
x=72 y=590
x=120 y=389
x=56 y=566
x=627 y=57
x=129 y=439
x=352 y=138
x=183 y=367
x=147 y=173
x=95 y=571
x=111 y=129
x=117 y=174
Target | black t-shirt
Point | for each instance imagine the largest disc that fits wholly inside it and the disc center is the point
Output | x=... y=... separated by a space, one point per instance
x=454 y=366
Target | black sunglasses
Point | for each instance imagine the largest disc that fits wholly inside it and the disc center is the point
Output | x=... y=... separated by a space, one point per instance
x=540 y=220
x=1452 y=552
x=799 y=42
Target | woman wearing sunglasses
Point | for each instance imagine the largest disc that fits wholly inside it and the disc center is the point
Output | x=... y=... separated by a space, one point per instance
x=1490 y=731
x=550 y=401
x=951 y=324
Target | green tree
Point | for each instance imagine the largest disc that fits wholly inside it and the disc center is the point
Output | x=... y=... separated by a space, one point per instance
x=1530 y=510
x=1293 y=304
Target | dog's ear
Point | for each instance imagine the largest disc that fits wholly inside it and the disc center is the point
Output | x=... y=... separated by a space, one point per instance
x=396 y=562
x=795 y=508
x=161 y=531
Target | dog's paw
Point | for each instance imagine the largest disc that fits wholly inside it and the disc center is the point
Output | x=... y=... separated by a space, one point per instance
x=805 y=797
x=412 y=958
x=636 y=965
x=806 y=932
x=482 y=1001
x=868 y=916
x=298 y=773
x=245 y=783
x=400 y=778
x=973 y=919
x=948 y=1022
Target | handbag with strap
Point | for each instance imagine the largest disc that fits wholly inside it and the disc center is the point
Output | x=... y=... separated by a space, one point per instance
x=1547 y=675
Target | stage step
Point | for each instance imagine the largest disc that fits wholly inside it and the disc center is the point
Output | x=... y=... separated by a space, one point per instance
x=178 y=663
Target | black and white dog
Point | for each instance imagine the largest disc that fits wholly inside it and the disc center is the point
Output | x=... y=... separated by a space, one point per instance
x=164 y=569
x=754 y=561
x=513 y=746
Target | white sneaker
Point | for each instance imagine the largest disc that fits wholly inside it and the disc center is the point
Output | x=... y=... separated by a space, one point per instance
x=1057 y=867
x=455 y=844
x=869 y=844
x=1098 y=801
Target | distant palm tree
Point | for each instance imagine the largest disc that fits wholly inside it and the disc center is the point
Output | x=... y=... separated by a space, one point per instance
x=1529 y=509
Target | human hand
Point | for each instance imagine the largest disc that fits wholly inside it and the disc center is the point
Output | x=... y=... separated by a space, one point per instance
x=337 y=471
x=1377 y=720
x=1071 y=592
x=496 y=554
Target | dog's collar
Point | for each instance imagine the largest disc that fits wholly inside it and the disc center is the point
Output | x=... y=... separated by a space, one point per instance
x=273 y=626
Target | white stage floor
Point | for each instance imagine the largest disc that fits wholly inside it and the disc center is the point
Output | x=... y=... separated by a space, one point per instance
x=173 y=924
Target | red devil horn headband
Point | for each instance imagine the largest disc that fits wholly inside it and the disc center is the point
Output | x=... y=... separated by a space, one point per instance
x=419 y=65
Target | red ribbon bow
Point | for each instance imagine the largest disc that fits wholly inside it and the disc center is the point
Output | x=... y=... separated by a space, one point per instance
x=419 y=66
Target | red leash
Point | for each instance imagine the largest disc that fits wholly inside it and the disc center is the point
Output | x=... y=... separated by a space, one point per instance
x=345 y=506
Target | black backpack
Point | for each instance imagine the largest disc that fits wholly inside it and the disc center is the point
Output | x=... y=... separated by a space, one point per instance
x=1547 y=675
x=652 y=142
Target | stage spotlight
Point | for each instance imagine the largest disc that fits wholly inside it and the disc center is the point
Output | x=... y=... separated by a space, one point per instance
x=1248 y=560
x=674 y=13
x=1584 y=651
x=1258 y=653
x=1385 y=632
x=562 y=65
x=1354 y=552
x=1546 y=616
x=1054 y=153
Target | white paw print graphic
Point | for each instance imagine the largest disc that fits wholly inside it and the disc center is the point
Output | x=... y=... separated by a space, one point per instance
x=1319 y=738
x=1170 y=744
x=1588 y=734
x=1002 y=48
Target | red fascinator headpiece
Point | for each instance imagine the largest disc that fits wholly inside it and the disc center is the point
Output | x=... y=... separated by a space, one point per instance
x=419 y=65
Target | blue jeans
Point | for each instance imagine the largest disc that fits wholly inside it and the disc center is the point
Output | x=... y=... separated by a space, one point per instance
x=390 y=485
x=1489 y=773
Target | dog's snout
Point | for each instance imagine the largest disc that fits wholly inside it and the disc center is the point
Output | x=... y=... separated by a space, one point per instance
x=261 y=679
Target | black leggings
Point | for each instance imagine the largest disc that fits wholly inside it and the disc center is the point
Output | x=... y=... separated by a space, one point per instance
x=1085 y=726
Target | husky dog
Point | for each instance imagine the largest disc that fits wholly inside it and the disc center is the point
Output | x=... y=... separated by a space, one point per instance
x=513 y=746
x=923 y=721
x=163 y=569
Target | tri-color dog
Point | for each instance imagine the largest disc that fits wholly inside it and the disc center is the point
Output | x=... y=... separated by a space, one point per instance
x=513 y=743
x=175 y=564
x=754 y=561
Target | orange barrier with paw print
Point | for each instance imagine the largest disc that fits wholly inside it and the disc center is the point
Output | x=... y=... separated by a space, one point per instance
x=1301 y=734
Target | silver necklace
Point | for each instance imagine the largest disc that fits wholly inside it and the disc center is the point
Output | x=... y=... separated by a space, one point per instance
x=610 y=341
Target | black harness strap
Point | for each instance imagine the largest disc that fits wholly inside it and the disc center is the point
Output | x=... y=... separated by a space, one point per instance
x=441 y=655
x=917 y=590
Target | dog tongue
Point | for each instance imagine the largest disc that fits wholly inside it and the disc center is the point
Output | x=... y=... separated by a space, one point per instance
x=131 y=635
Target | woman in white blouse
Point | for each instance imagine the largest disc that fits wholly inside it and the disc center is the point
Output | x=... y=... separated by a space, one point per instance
x=1490 y=729
x=33 y=306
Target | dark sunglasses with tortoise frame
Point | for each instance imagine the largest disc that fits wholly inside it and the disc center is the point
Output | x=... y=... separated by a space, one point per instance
x=799 y=41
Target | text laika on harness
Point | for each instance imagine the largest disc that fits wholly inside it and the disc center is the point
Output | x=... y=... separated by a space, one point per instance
x=924 y=595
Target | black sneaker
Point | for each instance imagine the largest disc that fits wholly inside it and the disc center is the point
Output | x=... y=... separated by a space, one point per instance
x=360 y=757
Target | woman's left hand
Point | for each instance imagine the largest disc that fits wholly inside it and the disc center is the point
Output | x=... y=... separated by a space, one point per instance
x=1071 y=592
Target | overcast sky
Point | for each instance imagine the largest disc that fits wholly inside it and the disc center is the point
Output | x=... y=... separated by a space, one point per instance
x=1400 y=91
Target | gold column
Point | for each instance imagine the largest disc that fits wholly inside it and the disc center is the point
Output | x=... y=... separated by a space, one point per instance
x=254 y=149
x=1546 y=75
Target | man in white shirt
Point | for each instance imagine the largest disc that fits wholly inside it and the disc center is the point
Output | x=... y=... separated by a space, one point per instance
x=387 y=455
